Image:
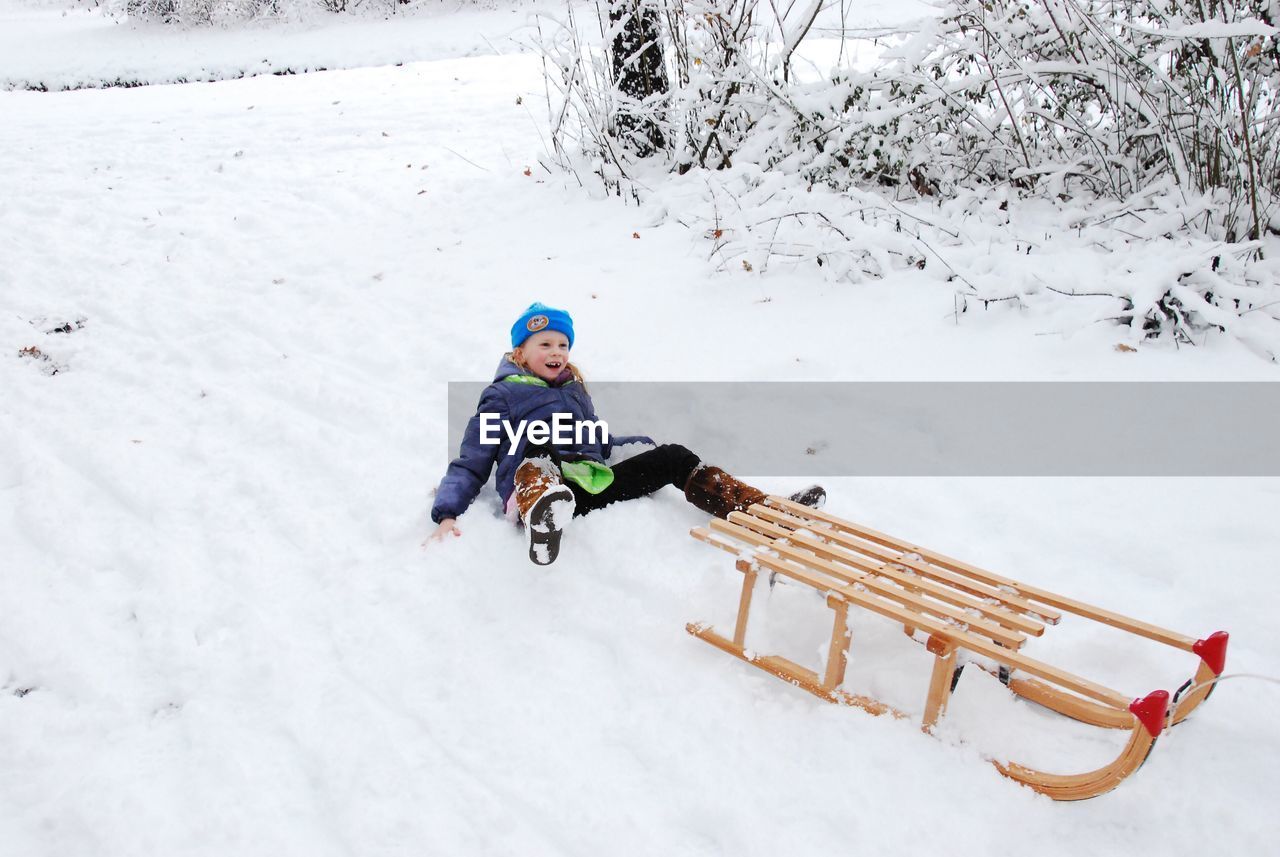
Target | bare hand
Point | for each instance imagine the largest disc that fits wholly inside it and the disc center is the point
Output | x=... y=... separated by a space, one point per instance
x=447 y=527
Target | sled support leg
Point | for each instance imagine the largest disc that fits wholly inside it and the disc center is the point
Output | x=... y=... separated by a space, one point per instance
x=1203 y=683
x=1213 y=657
x=944 y=668
x=793 y=673
x=838 y=651
x=744 y=601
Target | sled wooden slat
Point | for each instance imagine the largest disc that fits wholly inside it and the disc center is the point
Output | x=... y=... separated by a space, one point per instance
x=916 y=583
x=964 y=611
x=1031 y=593
x=840 y=579
x=1039 y=615
x=908 y=599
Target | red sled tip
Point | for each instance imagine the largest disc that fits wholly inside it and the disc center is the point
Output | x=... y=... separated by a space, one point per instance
x=1213 y=651
x=1152 y=710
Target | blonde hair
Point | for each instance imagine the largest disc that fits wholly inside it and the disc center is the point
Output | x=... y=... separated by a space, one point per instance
x=517 y=357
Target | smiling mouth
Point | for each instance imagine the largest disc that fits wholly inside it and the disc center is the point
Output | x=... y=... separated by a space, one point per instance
x=554 y=364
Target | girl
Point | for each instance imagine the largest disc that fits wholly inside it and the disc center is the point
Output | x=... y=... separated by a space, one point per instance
x=546 y=485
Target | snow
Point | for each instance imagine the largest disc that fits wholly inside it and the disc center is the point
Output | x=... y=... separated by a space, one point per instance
x=221 y=634
x=1217 y=30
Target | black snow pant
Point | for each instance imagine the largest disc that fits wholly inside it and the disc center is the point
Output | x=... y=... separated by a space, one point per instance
x=638 y=476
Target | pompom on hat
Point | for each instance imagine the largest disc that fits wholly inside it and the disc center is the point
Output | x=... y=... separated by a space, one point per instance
x=537 y=318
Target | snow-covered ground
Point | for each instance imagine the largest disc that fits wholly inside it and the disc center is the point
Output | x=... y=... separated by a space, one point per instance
x=66 y=44
x=219 y=633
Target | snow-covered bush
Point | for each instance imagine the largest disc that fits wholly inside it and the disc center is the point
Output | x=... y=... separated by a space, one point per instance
x=197 y=12
x=1163 y=113
x=206 y=12
x=1105 y=96
x=707 y=100
x=1098 y=96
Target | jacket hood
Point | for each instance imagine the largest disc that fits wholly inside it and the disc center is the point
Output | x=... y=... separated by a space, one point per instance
x=506 y=368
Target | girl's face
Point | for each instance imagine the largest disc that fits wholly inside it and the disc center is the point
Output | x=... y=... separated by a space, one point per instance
x=546 y=354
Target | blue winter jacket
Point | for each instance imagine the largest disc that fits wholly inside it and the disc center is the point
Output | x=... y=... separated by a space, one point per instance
x=515 y=395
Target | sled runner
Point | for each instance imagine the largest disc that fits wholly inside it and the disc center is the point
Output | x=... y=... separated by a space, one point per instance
x=953 y=608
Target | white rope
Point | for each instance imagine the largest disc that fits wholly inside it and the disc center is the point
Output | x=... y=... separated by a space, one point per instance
x=1193 y=688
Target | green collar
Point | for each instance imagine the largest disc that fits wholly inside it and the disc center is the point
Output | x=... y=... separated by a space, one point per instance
x=532 y=379
x=526 y=379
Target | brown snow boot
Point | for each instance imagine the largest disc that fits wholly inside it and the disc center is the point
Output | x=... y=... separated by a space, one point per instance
x=545 y=505
x=712 y=490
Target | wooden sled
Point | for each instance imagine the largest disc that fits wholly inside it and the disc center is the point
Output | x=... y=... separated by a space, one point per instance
x=952 y=607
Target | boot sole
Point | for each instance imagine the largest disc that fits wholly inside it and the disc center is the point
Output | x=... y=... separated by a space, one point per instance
x=546 y=522
x=815 y=497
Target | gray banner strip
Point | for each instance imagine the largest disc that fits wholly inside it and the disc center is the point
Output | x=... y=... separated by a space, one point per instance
x=945 y=429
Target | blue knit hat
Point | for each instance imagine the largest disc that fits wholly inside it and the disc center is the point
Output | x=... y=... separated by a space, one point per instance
x=537 y=318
